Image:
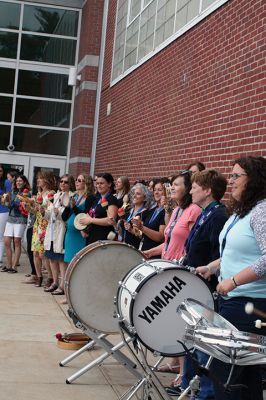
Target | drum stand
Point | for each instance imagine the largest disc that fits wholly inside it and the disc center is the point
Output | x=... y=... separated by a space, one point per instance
x=148 y=383
x=110 y=350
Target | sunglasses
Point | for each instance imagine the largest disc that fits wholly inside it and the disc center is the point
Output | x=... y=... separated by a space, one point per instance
x=235 y=176
x=62 y=181
x=80 y=180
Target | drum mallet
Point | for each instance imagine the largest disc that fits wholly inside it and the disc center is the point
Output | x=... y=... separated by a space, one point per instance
x=250 y=309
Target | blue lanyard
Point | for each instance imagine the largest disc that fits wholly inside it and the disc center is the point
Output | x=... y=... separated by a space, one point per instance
x=132 y=214
x=155 y=214
x=200 y=221
x=173 y=224
x=226 y=233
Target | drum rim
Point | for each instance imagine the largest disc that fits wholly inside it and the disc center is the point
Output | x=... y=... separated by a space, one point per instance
x=71 y=267
x=183 y=268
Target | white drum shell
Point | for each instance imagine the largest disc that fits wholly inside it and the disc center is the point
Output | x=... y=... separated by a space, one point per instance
x=91 y=282
x=160 y=331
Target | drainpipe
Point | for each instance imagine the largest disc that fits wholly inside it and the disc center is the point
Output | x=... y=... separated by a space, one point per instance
x=99 y=88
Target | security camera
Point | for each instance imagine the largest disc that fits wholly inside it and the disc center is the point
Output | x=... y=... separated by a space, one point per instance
x=10 y=147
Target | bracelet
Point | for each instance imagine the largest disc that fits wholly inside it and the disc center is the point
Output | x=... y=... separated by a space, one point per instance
x=234 y=282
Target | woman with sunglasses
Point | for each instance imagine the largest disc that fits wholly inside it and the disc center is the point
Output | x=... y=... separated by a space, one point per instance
x=16 y=225
x=55 y=233
x=5 y=189
x=74 y=241
x=103 y=211
x=242 y=269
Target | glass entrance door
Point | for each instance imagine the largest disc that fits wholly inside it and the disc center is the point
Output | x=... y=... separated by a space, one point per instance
x=30 y=165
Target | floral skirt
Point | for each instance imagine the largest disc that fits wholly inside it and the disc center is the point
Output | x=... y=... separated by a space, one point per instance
x=38 y=235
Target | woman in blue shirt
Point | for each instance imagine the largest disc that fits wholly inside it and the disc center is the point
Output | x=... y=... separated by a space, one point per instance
x=242 y=266
x=5 y=188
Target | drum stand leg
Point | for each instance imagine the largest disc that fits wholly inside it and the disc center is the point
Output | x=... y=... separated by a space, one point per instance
x=77 y=353
x=110 y=349
x=149 y=383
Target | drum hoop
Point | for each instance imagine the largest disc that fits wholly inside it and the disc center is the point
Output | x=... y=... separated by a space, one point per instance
x=183 y=353
x=78 y=256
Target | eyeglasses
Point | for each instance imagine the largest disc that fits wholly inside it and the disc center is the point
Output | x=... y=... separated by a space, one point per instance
x=62 y=181
x=235 y=176
x=80 y=180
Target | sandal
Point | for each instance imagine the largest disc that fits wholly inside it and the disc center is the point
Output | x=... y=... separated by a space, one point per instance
x=169 y=368
x=12 y=271
x=51 y=288
x=5 y=269
x=58 y=292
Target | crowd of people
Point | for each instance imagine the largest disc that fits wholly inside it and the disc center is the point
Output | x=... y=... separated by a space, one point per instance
x=181 y=217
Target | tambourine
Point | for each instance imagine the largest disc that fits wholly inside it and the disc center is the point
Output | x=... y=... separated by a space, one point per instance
x=77 y=224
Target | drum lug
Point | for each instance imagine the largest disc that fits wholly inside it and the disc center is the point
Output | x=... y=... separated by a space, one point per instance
x=132 y=330
x=115 y=302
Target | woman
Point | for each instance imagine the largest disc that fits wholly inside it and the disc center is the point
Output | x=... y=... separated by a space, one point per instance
x=195 y=166
x=103 y=211
x=46 y=187
x=182 y=219
x=140 y=199
x=55 y=233
x=154 y=225
x=122 y=187
x=74 y=241
x=15 y=226
x=242 y=266
x=5 y=189
x=176 y=234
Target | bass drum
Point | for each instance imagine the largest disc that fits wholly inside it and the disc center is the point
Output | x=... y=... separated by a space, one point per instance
x=91 y=282
x=147 y=302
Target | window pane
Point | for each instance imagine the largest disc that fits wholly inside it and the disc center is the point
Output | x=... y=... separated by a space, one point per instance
x=6 y=108
x=40 y=141
x=4 y=136
x=7 y=78
x=41 y=84
x=50 y=20
x=8 y=44
x=206 y=3
x=48 y=113
x=9 y=15
x=51 y=50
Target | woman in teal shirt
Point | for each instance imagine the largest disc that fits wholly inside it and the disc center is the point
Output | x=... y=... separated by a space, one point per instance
x=242 y=268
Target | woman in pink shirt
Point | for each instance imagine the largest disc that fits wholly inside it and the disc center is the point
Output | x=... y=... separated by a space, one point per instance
x=176 y=233
x=182 y=219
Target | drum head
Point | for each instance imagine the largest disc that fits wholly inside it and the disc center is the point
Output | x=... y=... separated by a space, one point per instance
x=154 y=316
x=196 y=313
x=91 y=282
x=77 y=224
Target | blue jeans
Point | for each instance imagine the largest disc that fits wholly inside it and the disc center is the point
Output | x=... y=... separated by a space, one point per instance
x=206 y=386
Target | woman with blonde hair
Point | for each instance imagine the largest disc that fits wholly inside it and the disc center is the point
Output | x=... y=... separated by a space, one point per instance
x=46 y=187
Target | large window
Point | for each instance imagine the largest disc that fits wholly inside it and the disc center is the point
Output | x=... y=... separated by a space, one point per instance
x=143 y=27
x=38 y=44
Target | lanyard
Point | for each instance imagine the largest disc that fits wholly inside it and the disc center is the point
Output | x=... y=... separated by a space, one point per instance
x=173 y=224
x=226 y=233
x=155 y=214
x=92 y=211
x=200 y=221
x=132 y=214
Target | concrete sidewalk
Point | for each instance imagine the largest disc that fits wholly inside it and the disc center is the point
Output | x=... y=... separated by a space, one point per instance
x=29 y=356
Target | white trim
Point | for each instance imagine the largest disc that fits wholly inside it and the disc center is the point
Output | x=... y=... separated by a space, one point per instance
x=88 y=61
x=82 y=126
x=18 y=153
x=166 y=43
x=49 y=3
x=83 y=160
x=53 y=99
x=44 y=127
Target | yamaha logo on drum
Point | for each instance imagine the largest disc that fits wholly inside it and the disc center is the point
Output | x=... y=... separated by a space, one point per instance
x=162 y=300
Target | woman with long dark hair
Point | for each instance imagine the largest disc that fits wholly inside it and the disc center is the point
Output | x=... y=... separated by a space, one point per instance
x=242 y=267
x=16 y=225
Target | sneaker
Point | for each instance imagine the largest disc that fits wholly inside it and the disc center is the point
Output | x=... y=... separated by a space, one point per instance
x=174 y=391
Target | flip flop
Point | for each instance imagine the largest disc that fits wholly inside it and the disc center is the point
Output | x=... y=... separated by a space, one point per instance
x=12 y=271
x=169 y=368
x=58 y=292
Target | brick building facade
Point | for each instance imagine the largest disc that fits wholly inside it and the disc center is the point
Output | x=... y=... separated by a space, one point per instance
x=201 y=97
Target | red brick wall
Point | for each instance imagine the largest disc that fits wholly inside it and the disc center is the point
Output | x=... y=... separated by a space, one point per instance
x=84 y=108
x=202 y=97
